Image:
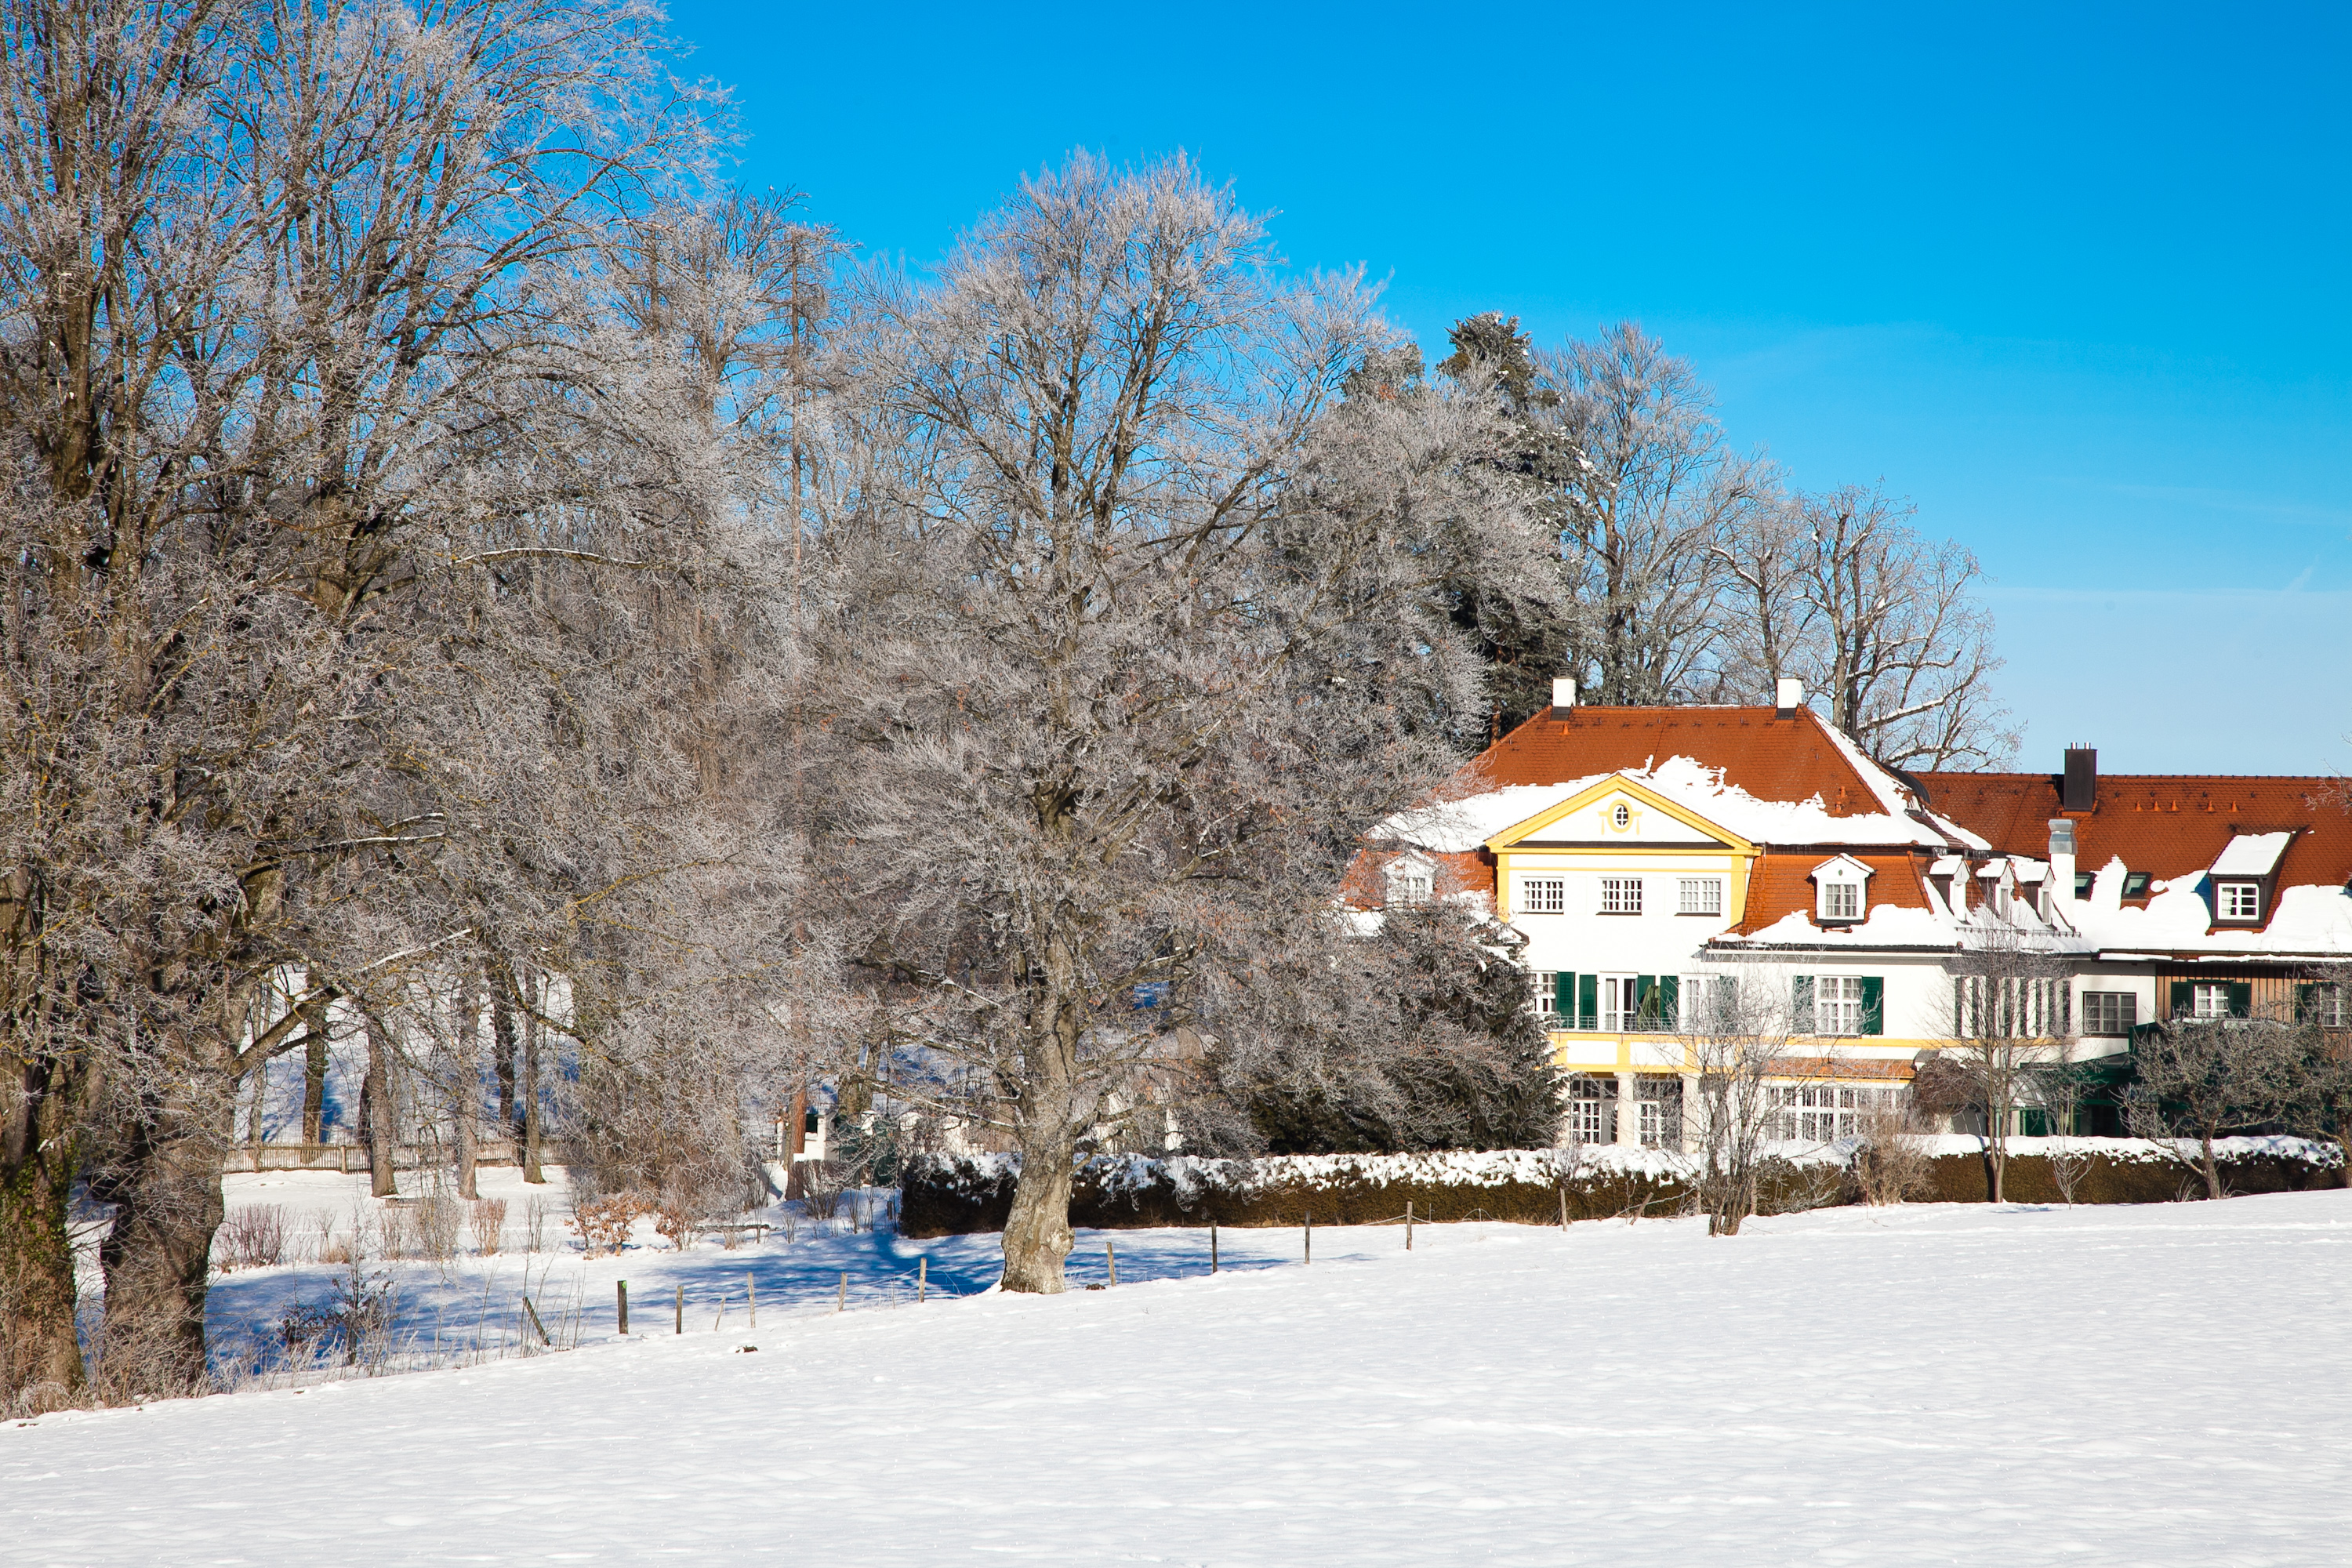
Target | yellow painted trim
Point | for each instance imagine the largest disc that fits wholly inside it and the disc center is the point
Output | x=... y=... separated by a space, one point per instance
x=1620 y=783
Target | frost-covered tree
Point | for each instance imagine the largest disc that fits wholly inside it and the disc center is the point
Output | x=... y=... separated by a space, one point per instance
x=1139 y=624
x=309 y=469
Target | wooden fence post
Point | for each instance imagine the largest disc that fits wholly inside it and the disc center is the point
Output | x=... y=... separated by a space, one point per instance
x=1310 y=1238
x=1408 y=1224
x=1112 y=1257
x=922 y=1277
x=841 y=1303
x=752 y=1291
x=623 y=1287
x=1213 y=1246
x=1563 y=1208
x=535 y=1324
x=681 y=1309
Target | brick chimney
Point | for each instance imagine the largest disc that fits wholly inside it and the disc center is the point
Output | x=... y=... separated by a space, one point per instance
x=2080 y=789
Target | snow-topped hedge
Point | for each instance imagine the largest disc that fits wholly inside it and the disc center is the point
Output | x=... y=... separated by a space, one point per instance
x=951 y=1195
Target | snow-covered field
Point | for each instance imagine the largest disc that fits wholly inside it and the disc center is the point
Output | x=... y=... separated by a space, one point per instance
x=2150 y=1386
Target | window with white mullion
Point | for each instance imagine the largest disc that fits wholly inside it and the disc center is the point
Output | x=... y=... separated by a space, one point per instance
x=1543 y=895
x=1701 y=896
x=1620 y=895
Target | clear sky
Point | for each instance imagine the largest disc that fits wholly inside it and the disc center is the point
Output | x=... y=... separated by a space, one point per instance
x=2072 y=279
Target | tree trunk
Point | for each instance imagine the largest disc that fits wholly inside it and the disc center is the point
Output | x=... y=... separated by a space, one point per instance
x=1037 y=1232
x=2212 y=1171
x=466 y=1092
x=379 y=1119
x=40 y=1358
x=530 y=1171
x=158 y=1254
x=314 y=1067
x=502 y=1047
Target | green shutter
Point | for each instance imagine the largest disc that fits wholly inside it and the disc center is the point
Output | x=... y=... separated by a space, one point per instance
x=1800 y=1021
x=1873 y=1005
x=2241 y=999
x=1670 y=1000
x=2306 y=1004
x=1563 y=997
x=1587 y=1001
x=2183 y=999
x=1645 y=997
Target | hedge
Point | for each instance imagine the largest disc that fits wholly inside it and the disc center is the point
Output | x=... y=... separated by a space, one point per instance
x=945 y=1195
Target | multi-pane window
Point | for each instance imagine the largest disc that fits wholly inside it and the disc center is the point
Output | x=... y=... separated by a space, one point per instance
x=2109 y=1011
x=1999 y=1008
x=1659 y=1102
x=1591 y=1110
x=1840 y=900
x=1837 y=1004
x=1702 y=896
x=1543 y=895
x=2331 y=1008
x=2208 y=1001
x=1546 y=985
x=1824 y=1112
x=2242 y=900
x=1620 y=895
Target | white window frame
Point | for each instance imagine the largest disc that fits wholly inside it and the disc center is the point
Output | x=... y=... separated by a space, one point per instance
x=2331 y=1007
x=1840 y=900
x=1619 y=1003
x=1620 y=895
x=1837 y=1004
x=1411 y=882
x=1700 y=896
x=1546 y=997
x=2208 y=999
x=2124 y=1004
x=1543 y=895
x=2238 y=900
x=1591 y=1110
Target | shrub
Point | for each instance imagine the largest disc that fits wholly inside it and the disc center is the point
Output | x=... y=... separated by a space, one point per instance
x=603 y=1223
x=488 y=1221
x=253 y=1237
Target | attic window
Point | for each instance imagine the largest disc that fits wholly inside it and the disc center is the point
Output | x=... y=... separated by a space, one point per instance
x=1410 y=884
x=2239 y=900
x=2136 y=884
x=2083 y=882
x=1840 y=900
x=1622 y=818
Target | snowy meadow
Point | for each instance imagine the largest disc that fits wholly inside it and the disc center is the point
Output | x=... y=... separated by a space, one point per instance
x=1949 y=1383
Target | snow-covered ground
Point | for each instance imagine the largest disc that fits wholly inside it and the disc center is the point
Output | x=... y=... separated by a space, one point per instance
x=2141 y=1386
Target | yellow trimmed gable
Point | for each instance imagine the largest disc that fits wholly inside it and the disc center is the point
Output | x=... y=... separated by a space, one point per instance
x=1621 y=828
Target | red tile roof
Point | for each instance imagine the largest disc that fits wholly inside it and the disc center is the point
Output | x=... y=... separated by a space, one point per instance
x=1772 y=758
x=1471 y=871
x=1782 y=885
x=2166 y=825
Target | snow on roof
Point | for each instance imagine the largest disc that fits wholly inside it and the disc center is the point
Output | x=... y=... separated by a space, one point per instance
x=2251 y=854
x=1469 y=822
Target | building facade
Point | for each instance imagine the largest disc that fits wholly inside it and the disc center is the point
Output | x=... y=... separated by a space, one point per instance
x=1657 y=860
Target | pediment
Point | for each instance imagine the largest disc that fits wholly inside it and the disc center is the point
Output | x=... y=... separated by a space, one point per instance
x=1616 y=812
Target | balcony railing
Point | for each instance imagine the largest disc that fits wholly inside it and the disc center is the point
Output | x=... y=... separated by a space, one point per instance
x=1638 y=1024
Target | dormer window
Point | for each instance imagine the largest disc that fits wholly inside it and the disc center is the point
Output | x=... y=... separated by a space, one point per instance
x=2136 y=884
x=2239 y=901
x=1838 y=896
x=1411 y=881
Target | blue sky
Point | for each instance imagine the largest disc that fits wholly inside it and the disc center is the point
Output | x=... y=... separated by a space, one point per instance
x=2074 y=282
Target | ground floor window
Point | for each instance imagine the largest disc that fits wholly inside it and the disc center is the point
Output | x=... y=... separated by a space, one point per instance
x=1659 y=1101
x=1825 y=1112
x=2109 y=1011
x=1591 y=1110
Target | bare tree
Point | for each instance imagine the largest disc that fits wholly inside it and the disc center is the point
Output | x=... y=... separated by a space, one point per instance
x=1636 y=477
x=257 y=269
x=2009 y=1022
x=1140 y=623
x=1838 y=590
x=2207 y=1078
x=1735 y=1029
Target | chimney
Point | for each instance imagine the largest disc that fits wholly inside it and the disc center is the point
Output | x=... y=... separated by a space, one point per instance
x=1787 y=697
x=2059 y=889
x=2079 y=791
x=1563 y=696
